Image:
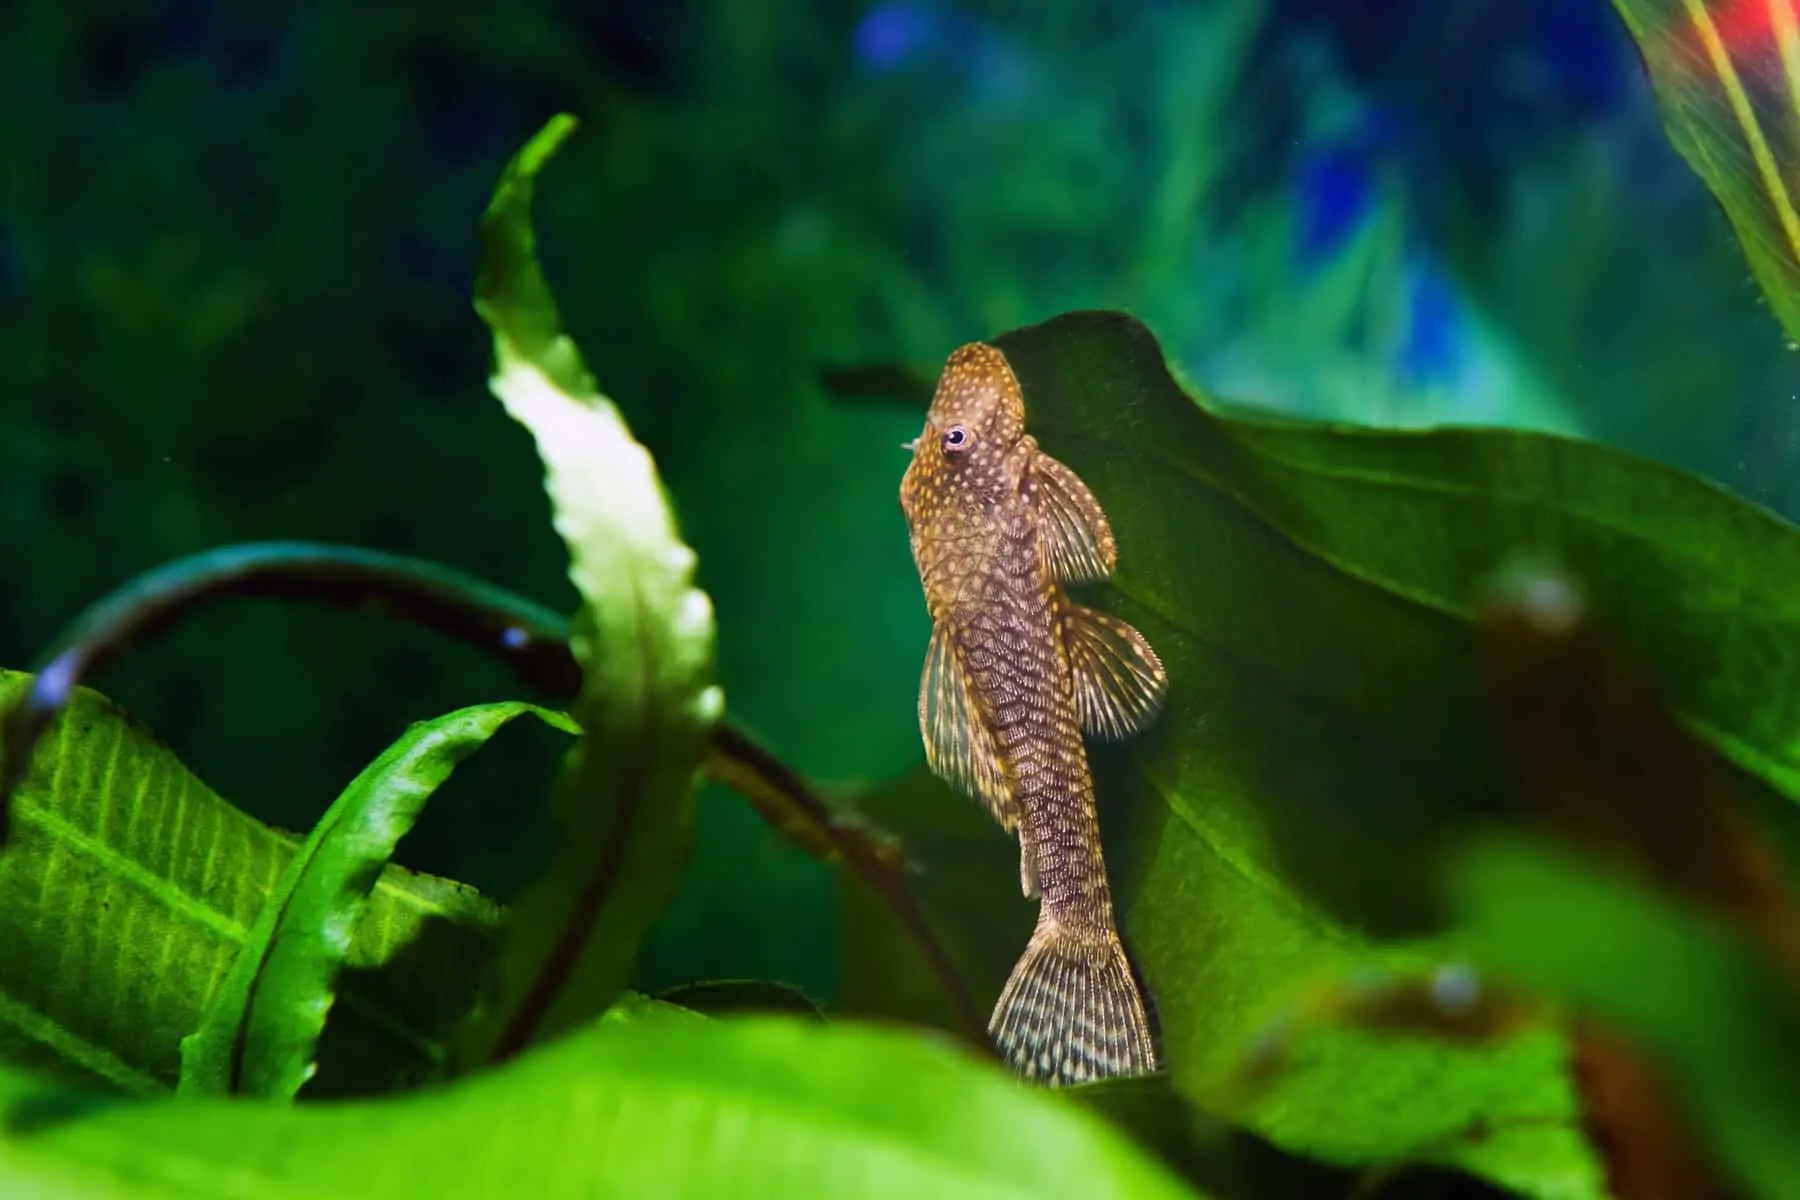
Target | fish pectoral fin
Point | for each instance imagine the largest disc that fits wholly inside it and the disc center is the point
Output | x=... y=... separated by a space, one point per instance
x=959 y=746
x=1119 y=680
x=1077 y=537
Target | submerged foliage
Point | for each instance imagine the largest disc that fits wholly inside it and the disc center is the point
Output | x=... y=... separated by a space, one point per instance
x=1459 y=858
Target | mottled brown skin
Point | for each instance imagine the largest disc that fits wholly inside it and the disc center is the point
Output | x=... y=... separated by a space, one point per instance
x=1016 y=672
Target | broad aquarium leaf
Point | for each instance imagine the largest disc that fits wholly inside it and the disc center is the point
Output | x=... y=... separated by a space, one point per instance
x=644 y=638
x=647 y=1106
x=129 y=888
x=1314 y=591
x=1726 y=74
x=261 y=1030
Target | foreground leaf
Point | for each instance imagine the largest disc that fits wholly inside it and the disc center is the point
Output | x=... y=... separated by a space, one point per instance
x=1726 y=74
x=1719 y=1013
x=644 y=638
x=661 y=1106
x=263 y=1024
x=129 y=889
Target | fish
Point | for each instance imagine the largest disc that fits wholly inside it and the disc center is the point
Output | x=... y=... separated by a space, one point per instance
x=1017 y=675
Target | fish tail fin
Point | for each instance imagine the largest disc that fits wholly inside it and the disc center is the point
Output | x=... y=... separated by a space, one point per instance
x=1072 y=1010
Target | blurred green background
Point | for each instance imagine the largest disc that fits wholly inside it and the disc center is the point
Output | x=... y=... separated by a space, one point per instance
x=237 y=244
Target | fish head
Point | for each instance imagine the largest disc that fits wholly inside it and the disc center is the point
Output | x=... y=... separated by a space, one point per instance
x=965 y=462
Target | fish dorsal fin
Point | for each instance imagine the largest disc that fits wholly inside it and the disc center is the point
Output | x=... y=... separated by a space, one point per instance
x=1078 y=539
x=959 y=745
x=1119 y=681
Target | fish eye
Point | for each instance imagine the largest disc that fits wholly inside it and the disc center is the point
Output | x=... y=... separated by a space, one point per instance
x=956 y=439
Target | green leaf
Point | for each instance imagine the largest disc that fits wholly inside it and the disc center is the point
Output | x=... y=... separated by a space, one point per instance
x=1312 y=590
x=667 y=1107
x=644 y=637
x=130 y=890
x=1726 y=74
x=1701 y=995
x=261 y=1030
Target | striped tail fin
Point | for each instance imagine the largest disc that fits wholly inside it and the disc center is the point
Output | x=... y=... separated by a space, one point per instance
x=1071 y=1011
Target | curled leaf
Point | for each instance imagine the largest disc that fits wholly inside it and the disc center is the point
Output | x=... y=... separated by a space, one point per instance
x=262 y=1028
x=531 y=639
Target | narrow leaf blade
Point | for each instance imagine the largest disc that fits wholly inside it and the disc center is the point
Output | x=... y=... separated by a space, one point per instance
x=644 y=637
x=262 y=1028
x=1726 y=74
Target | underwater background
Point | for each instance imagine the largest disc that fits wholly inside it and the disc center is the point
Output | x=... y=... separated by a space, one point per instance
x=236 y=245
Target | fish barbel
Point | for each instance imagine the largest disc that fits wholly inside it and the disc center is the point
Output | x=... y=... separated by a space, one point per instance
x=1015 y=675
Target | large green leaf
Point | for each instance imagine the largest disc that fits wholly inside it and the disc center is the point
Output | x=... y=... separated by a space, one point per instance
x=1312 y=589
x=647 y=1106
x=130 y=889
x=644 y=637
x=1727 y=78
x=263 y=1024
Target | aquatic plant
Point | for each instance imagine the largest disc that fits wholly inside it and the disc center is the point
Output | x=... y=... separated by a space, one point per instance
x=1456 y=859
